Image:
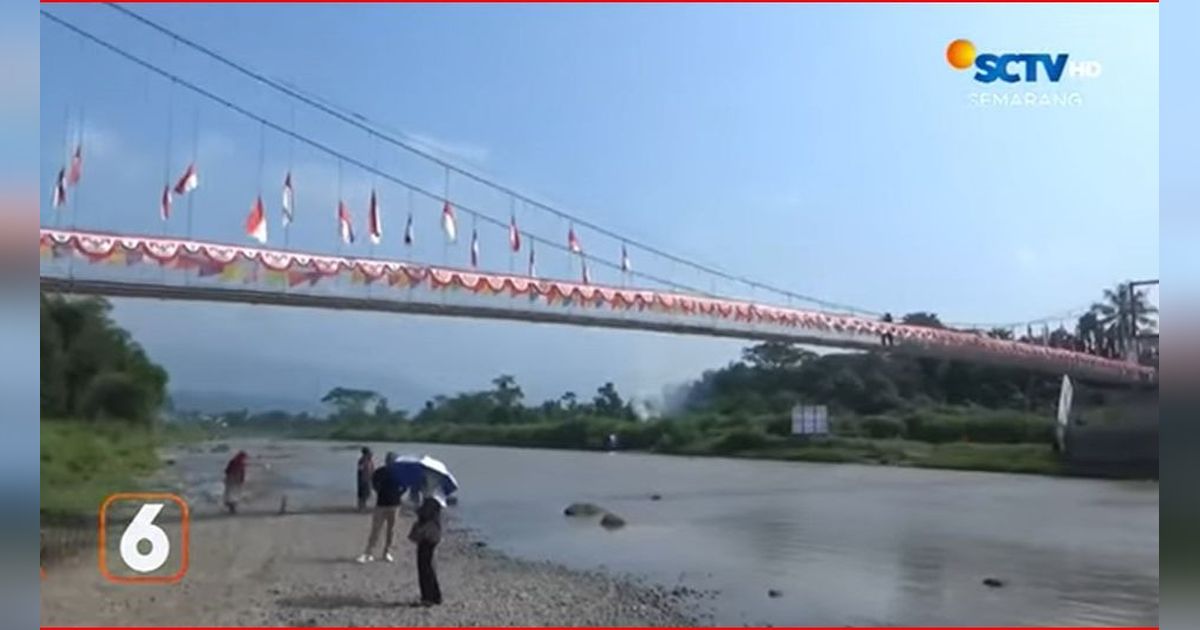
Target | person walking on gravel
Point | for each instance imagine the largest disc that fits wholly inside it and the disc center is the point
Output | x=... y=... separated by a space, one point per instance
x=235 y=478
x=427 y=533
x=387 y=504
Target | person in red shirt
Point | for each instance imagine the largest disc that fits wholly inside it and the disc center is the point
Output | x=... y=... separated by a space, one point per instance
x=235 y=478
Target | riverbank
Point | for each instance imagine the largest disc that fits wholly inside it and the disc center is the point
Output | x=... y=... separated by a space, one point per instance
x=261 y=568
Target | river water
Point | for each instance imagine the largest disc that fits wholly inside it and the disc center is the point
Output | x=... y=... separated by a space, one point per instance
x=842 y=544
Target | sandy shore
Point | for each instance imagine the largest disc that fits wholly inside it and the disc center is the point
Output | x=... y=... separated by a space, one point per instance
x=298 y=570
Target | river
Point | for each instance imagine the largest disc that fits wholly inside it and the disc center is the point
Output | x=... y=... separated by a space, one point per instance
x=842 y=544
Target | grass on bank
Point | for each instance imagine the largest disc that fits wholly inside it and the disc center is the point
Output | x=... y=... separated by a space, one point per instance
x=83 y=462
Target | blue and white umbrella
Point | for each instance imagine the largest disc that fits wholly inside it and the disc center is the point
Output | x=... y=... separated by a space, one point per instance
x=424 y=473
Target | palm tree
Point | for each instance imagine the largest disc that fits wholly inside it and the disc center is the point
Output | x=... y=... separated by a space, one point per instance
x=1123 y=311
x=1089 y=330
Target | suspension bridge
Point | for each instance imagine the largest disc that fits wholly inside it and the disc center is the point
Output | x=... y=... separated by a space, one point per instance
x=178 y=263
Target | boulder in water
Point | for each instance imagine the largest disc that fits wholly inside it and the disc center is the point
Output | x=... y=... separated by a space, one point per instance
x=774 y=593
x=993 y=582
x=583 y=509
x=656 y=497
x=611 y=521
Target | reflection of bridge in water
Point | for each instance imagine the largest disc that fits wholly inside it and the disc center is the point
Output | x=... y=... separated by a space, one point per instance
x=165 y=268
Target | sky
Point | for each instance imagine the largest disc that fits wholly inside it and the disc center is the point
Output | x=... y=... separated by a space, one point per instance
x=827 y=149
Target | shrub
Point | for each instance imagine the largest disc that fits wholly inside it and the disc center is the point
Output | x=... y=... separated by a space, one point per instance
x=882 y=427
x=117 y=395
x=738 y=440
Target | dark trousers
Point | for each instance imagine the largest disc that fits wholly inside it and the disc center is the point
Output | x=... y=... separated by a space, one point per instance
x=431 y=593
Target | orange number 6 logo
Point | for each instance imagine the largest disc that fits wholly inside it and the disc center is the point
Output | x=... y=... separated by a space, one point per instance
x=144 y=529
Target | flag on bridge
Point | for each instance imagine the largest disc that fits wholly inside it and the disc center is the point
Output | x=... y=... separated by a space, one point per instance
x=626 y=266
x=76 y=170
x=289 y=197
x=256 y=221
x=573 y=241
x=532 y=265
x=514 y=235
x=59 y=193
x=474 y=248
x=164 y=203
x=374 y=222
x=449 y=225
x=587 y=276
x=408 y=230
x=345 y=228
x=188 y=181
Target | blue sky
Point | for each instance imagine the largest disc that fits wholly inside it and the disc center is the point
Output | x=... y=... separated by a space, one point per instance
x=827 y=149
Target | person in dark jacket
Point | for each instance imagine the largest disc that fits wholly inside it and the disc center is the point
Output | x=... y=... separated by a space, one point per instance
x=235 y=478
x=366 y=468
x=887 y=338
x=427 y=533
x=387 y=503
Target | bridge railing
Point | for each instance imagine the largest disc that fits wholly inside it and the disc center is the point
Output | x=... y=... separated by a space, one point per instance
x=147 y=266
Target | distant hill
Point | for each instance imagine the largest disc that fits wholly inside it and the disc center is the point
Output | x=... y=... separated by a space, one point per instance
x=218 y=402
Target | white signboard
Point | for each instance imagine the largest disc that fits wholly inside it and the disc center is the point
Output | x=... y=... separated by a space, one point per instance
x=1065 y=396
x=810 y=420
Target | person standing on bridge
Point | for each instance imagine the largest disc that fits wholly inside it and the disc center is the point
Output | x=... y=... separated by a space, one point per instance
x=366 y=467
x=887 y=338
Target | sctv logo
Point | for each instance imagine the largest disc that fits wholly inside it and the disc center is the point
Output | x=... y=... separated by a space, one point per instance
x=1016 y=67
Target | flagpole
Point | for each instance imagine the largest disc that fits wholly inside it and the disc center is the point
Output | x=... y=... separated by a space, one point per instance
x=70 y=159
x=195 y=155
x=66 y=156
x=167 y=162
x=287 y=228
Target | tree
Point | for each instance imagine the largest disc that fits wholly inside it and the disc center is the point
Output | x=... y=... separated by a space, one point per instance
x=608 y=402
x=350 y=403
x=508 y=394
x=922 y=318
x=570 y=401
x=1123 y=312
x=775 y=356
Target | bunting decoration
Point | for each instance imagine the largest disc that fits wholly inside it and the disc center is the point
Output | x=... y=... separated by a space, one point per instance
x=256 y=222
x=374 y=222
x=514 y=235
x=188 y=181
x=345 y=227
x=573 y=241
x=449 y=225
x=474 y=249
x=283 y=268
x=408 y=230
x=164 y=203
x=59 y=193
x=76 y=170
x=289 y=198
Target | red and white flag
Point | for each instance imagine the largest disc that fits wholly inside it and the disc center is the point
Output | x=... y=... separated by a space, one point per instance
x=164 y=203
x=76 y=170
x=408 y=230
x=626 y=266
x=345 y=228
x=188 y=181
x=474 y=248
x=256 y=222
x=449 y=225
x=532 y=265
x=59 y=193
x=573 y=241
x=587 y=276
x=289 y=198
x=374 y=221
x=514 y=234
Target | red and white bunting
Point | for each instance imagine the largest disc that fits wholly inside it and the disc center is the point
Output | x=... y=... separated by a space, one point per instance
x=256 y=222
x=188 y=181
x=449 y=224
x=289 y=199
x=374 y=221
x=345 y=227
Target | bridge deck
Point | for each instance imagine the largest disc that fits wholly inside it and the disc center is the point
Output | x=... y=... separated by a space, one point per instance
x=163 y=268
